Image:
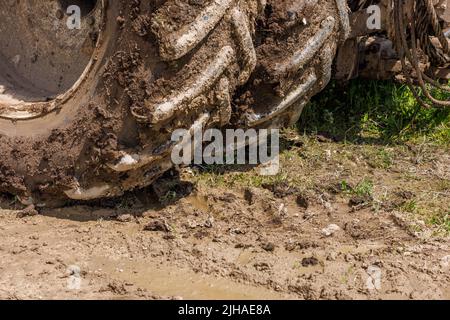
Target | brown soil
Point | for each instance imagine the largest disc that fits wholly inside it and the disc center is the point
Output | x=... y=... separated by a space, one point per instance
x=229 y=235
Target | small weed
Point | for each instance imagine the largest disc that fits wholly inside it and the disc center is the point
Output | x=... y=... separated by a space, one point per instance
x=385 y=158
x=410 y=206
x=169 y=197
x=444 y=185
x=441 y=221
x=346 y=188
x=363 y=189
x=381 y=158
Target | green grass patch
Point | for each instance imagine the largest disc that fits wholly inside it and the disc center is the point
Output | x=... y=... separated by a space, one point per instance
x=442 y=221
x=375 y=112
x=410 y=206
x=363 y=189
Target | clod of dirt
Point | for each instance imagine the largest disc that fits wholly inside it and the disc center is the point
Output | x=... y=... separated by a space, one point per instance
x=302 y=201
x=309 y=215
x=301 y=245
x=330 y=230
x=202 y=234
x=404 y=224
x=29 y=211
x=249 y=196
x=243 y=246
x=209 y=223
x=238 y=231
x=280 y=190
x=355 y=230
x=157 y=225
x=125 y=218
x=262 y=266
x=226 y=197
x=117 y=288
x=310 y=262
x=359 y=201
x=407 y=195
x=332 y=256
x=268 y=246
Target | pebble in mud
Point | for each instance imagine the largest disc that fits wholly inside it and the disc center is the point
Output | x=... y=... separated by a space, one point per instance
x=262 y=266
x=125 y=218
x=445 y=262
x=330 y=230
x=302 y=201
x=332 y=256
x=310 y=262
x=157 y=225
x=29 y=211
x=268 y=246
x=248 y=196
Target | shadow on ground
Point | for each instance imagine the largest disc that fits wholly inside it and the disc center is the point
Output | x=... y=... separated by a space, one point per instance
x=373 y=112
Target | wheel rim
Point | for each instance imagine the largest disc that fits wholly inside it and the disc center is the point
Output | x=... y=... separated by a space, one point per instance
x=44 y=55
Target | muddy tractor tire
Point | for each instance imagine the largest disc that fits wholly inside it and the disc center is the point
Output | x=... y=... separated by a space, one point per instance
x=88 y=112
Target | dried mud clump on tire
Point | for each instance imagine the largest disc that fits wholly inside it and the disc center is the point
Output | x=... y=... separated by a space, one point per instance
x=296 y=45
x=163 y=65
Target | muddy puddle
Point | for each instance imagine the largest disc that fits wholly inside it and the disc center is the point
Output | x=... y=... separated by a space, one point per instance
x=183 y=283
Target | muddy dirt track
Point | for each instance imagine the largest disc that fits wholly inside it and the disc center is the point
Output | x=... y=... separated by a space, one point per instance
x=340 y=221
x=234 y=240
